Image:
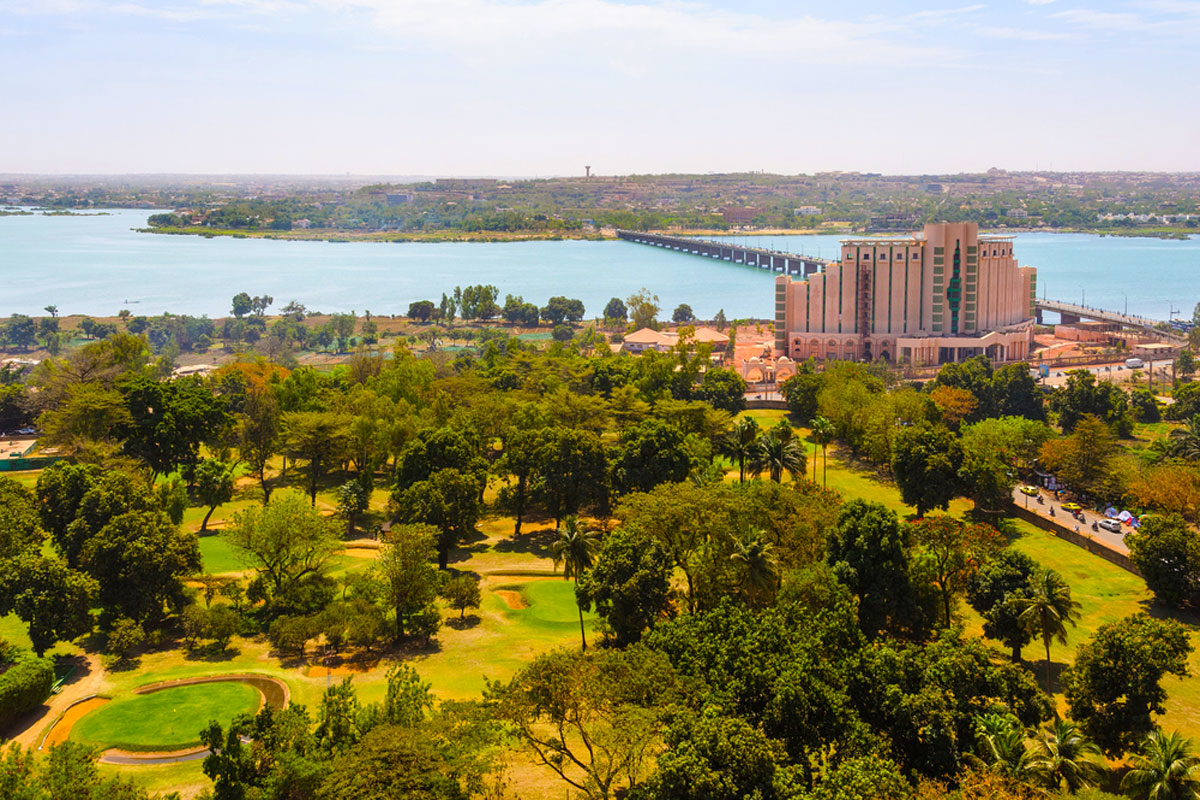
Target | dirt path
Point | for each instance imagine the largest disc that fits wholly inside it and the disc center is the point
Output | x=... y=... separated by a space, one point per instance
x=88 y=679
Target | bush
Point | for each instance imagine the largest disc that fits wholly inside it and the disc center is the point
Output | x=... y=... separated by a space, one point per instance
x=425 y=624
x=562 y=333
x=24 y=685
x=126 y=636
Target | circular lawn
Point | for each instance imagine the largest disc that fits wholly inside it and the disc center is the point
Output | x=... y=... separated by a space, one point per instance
x=167 y=719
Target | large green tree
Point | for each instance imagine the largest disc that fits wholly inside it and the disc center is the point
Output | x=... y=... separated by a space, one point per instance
x=169 y=420
x=448 y=500
x=1167 y=552
x=287 y=540
x=411 y=580
x=1115 y=684
x=52 y=599
x=575 y=550
x=1046 y=611
x=1165 y=767
x=650 y=453
x=925 y=462
x=629 y=584
x=996 y=592
x=320 y=439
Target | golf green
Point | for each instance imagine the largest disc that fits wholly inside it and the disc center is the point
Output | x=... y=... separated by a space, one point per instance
x=168 y=719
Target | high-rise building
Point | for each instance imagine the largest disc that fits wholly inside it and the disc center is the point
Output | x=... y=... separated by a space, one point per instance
x=937 y=296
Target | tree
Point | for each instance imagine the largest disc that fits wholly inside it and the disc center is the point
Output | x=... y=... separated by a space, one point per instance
x=869 y=554
x=575 y=550
x=48 y=596
x=214 y=486
x=1165 y=768
x=258 y=433
x=170 y=420
x=1082 y=395
x=1063 y=756
x=1000 y=743
x=778 y=452
x=615 y=310
x=800 y=391
x=651 y=452
x=242 y=305
x=318 y=438
x=410 y=579
x=758 y=568
x=1167 y=553
x=352 y=499
x=629 y=584
x=1015 y=393
x=1047 y=610
x=449 y=501
x=741 y=444
x=951 y=552
x=593 y=718
x=436 y=449
x=462 y=592
x=682 y=314
x=573 y=471
x=287 y=540
x=995 y=451
x=925 y=463
x=421 y=310
x=643 y=309
x=1185 y=441
x=20 y=525
x=562 y=309
x=723 y=389
x=1115 y=684
x=1185 y=363
x=714 y=757
x=1085 y=460
x=140 y=560
x=823 y=432
x=394 y=762
x=996 y=591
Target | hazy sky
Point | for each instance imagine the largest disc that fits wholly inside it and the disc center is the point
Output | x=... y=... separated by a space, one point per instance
x=541 y=87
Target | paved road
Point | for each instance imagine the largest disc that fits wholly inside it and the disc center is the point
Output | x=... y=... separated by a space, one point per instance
x=1116 y=371
x=1114 y=540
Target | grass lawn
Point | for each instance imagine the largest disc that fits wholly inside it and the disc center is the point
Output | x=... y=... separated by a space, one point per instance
x=218 y=556
x=167 y=720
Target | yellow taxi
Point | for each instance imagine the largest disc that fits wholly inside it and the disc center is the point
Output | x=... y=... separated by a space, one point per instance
x=1031 y=491
x=1072 y=507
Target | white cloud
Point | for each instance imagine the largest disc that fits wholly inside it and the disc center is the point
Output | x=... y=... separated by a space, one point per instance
x=1039 y=2
x=1026 y=34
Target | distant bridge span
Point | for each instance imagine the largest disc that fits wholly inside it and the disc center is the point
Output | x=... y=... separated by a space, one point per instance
x=763 y=258
x=1071 y=312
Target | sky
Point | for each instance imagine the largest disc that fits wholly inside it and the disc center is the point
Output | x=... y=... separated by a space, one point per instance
x=544 y=87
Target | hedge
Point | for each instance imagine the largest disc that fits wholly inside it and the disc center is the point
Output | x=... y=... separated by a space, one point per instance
x=24 y=685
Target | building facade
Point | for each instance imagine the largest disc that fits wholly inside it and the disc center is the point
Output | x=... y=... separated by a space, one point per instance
x=941 y=295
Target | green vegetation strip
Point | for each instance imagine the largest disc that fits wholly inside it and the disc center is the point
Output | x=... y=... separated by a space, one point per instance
x=165 y=720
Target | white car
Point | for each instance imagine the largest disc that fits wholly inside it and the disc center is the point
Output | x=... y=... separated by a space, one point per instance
x=1110 y=525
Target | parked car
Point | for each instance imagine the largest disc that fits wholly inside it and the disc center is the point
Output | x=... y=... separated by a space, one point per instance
x=1110 y=525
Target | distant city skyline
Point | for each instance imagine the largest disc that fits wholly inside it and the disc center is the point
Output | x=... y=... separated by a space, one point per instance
x=545 y=87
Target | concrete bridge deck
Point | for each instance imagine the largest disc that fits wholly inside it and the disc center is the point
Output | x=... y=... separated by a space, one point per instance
x=763 y=258
x=1071 y=312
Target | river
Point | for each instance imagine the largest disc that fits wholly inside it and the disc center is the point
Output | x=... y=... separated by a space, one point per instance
x=98 y=265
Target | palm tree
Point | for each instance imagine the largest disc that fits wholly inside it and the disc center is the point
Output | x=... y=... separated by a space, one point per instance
x=1185 y=441
x=1165 y=769
x=760 y=568
x=1047 y=609
x=575 y=548
x=777 y=453
x=822 y=431
x=1062 y=754
x=741 y=443
x=1000 y=743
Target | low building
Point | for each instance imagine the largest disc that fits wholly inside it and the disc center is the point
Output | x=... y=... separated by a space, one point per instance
x=645 y=339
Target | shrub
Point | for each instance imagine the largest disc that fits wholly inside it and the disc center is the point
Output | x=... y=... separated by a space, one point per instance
x=425 y=624
x=24 y=685
x=126 y=636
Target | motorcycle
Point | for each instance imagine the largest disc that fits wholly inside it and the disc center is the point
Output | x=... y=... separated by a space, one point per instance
x=1041 y=502
x=1095 y=527
x=1052 y=511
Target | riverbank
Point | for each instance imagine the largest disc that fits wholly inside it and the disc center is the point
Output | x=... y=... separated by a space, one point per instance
x=337 y=235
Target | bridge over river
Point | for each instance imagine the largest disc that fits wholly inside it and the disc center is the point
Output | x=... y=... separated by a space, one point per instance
x=774 y=260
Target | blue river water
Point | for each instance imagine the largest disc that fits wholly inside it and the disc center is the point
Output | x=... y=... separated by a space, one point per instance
x=98 y=265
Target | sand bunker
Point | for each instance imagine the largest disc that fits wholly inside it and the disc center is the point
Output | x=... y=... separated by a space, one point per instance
x=514 y=600
x=61 y=728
